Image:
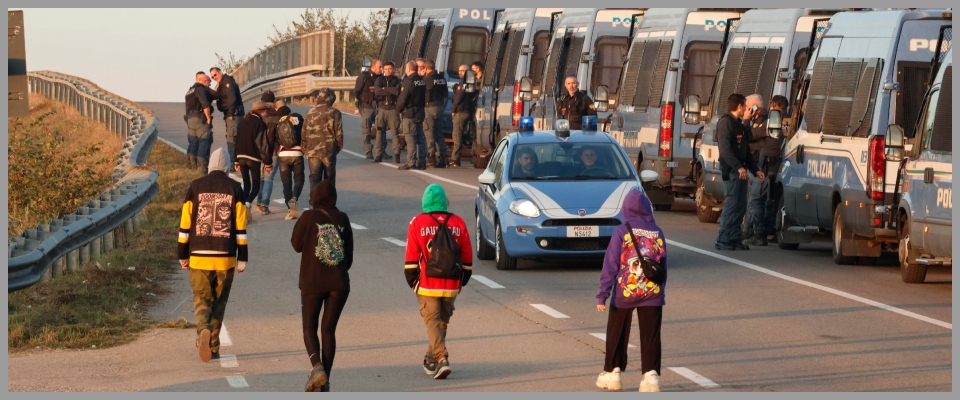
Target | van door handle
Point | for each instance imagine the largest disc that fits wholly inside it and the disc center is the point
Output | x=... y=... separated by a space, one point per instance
x=928 y=175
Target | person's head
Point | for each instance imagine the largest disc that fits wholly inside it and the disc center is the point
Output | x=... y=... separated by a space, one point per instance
x=219 y=161
x=462 y=70
x=589 y=156
x=434 y=199
x=203 y=79
x=751 y=101
x=477 y=68
x=778 y=103
x=216 y=74
x=279 y=103
x=736 y=104
x=571 y=84
x=259 y=107
x=527 y=159
x=411 y=68
x=268 y=97
x=429 y=66
x=376 y=67
x=421 y=66
x=326 y=97
x=388 y=68
x=323 y=195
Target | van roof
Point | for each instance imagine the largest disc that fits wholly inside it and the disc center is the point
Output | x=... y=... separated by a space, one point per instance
x=876 y=24
x=770 y=21
x=664 y=17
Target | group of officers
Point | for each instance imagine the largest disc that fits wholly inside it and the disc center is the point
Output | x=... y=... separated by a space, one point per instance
x=199 y=114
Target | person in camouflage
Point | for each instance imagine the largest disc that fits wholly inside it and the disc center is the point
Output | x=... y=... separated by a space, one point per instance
x=323 y=138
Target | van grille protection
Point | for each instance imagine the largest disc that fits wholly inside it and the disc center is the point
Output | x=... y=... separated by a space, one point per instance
x=817 y=94
x=768 y=75
x=864 y=102
x=433 y=43
x=749 y=71
x=843 y=85
x=553 y=65
x=645 y=77
x=728 y=80
x=660 y=73
x=632 y=74
x=913 y=78
x=942 y=139
x=493 y=53
x=573 y=57
x=415 y=44
x=508 y=68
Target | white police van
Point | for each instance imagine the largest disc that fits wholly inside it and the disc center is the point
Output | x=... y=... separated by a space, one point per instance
x=673 y=55
x=764 y=53
x=870 y=70
x=925 y=205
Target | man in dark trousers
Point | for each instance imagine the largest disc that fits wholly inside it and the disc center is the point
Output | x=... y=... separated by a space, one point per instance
x=229 y=102
x=574 y=103
x=762 y=206
x=386 y=89
x=363 y=92
x=323 y=138
x=436 y=100
x=733 y=139
x=199 y=120
x=461 y=111
x=410 y=106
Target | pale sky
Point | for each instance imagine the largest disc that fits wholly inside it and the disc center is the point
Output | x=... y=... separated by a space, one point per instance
x=147 y=54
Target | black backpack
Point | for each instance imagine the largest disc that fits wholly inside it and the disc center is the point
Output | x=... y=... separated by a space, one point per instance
x=444 y=251
x=288 y=131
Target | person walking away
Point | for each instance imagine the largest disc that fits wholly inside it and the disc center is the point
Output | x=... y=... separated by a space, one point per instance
x=324 y=239
x=764 y=200
x=461 y=114
x=323 y=138
x=277 y=109
x=252 y=149
x=230 y=103
x=622 y=281
x=735 y=161
x=386 y=89
x=436 y=101
x=410 y=105
x=363 y=93
x=436 y=295
x=198 y=118
x=574 y=103
x=289 y=139
x=212 y=244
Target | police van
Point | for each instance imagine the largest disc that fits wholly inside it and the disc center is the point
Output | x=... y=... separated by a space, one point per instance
x=590 y=43
x=674 y=55
x=517 y=49
x=925 y=205
x=870 y=70
x=763 y=54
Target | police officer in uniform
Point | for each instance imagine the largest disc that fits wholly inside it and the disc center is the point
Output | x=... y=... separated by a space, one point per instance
x=199 y=122
x=410 y=105
x=363 y=92
x=436 y=100
x=229 y=102
x=386 y=89
x=574 y=104
x=733 y=140
x=461 y=111
x=762 y=206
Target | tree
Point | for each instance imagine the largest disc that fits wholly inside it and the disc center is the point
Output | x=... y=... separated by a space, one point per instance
x=229 y=64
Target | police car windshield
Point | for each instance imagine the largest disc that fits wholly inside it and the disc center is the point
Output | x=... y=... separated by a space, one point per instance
x=569 y=161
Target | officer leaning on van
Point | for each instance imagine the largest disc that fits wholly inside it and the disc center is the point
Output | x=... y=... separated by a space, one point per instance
x=574 y=104
x=762 y=207
x=733 y=139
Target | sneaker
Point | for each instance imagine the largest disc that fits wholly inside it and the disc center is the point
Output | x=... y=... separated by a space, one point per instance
x=443 y=369
x=204 y=347
x=610 y=380
x=317 y=379
x=650 y=382
x=291 y=214
x=249 y=212
x=724 y=246
x=430 y=367
x=755 y=241
x=262 y=209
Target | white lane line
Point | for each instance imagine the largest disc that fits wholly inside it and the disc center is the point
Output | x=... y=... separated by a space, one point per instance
x=229 y=361
x=237 y=381
x=695 y=377
x=816 y=286
x=171 y=144
x=181 y=303
x=486 y=281
x=603 y=337
x=437 y=177
x=395 y=241
x=359 y=227
x=225 y=336
x=549 y=311
x=279 y=201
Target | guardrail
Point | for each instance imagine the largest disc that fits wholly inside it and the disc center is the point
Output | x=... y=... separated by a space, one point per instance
x=303 y=85
x=59 y=247
x=309 y=53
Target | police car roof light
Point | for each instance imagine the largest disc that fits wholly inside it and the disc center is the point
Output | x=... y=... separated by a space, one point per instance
x=589 y=123
x=526 y=124
x=562 y=128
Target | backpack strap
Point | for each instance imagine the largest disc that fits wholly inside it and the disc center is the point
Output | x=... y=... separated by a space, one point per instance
x=634 y=239
x=444 y=223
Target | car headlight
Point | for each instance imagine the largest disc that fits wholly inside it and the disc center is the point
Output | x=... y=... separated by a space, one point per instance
x=525 y=208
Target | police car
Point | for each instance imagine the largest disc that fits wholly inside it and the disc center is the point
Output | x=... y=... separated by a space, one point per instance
x=552 y=194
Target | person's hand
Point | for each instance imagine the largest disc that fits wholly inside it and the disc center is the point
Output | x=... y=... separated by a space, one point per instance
x=236 y=167
x=209 y=121
x=601 y=307
x=742 y=171
x=230 y=118
x=761 y=175
x=185 y=264
x=268 y=169
x=241 y=265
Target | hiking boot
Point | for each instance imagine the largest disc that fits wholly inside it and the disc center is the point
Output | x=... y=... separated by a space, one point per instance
x=430 y=367
x=650 y=382
x=405 y=167
x=443 y=369
x=214 y=355
x=422 y=167
x=440 y=164
x=378 y=159
x=369 y=156
x=204 y=345
x=755 y=241
x=724 y=246
x=740 y=246
x=263 y=209
x=396 y=158
x=317 y=379
x=325 y=387
x=610 y=380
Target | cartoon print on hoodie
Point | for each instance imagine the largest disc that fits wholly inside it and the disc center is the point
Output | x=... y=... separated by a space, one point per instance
x=630 y=279
x=622 y=275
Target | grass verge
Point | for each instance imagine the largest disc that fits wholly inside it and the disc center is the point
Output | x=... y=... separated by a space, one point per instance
x=106 y=306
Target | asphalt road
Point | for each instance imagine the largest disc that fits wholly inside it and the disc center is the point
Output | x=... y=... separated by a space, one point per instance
x=758 y=320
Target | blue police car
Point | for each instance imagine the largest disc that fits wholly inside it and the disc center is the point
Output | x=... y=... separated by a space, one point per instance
x=552 y=194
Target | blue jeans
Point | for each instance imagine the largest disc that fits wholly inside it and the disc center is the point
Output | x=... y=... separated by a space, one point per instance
x=266 y=184
x=199 y=137
x=761 y=213
x=416 y=144
x=734 y=207
x=322 y=168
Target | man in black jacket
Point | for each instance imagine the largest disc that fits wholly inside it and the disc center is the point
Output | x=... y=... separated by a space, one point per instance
x=410 y=105
x=386 y=89
x=363 y=92
x=436 y=100
x=733 y=139
x=574 y=103
x=229 y=102
x=764 y=200
x=462 y=111
x=198 y=117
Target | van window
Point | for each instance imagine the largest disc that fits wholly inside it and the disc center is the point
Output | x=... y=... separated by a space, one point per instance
x=468 y=44
x=539 y=54
x=433 y=42
x=609 y=55
x=645 y=73
x=939 y=128
x=701 y=59
x=913 y=78
x=511 y=54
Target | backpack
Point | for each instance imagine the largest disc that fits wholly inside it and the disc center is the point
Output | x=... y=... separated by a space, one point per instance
x=288 y=131
x=444 y=261
x=263 y=145
x=640 y=272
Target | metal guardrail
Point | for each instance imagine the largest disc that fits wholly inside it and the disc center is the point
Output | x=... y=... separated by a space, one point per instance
x=303 y=85
x=52 y=249
x=305 y=54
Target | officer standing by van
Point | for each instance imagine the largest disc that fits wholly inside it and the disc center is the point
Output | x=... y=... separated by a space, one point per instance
x=762 y=207
x=410 y=105
x=733 y=139
x=436 y=100
x=757 y=125
x=574 y=104
x=386 y=89
x=198 y=118
x=461 y=112
x=229 y=102
x=363 y=92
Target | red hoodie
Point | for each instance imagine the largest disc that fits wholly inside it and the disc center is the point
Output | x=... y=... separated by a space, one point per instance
x=419 y=234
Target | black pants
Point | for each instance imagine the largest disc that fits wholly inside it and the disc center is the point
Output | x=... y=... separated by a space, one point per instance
x=310 y=305
x=618 y=335
x=250 y=172
x=291 y=166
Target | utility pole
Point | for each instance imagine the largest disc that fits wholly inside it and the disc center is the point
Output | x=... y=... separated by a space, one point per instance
x=343 y=60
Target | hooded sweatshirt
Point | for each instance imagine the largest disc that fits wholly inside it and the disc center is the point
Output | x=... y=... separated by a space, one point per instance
x=621 y=275
x=312 y=231
x=419 y=234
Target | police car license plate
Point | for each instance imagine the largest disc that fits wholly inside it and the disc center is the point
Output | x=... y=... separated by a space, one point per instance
x=673 y=164
x=583 y=231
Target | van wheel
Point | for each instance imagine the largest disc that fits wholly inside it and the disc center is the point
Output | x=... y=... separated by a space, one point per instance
x=484 y=250
x=909 y=273
x=778 y=228
x=504 y=261
x=704 y=213
x=839 y=237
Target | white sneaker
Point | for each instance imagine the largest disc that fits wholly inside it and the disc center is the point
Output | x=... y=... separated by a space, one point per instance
x=609 y=380
x=650 y=382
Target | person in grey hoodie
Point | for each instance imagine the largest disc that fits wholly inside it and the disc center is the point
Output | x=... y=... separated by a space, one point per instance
x=623 y=277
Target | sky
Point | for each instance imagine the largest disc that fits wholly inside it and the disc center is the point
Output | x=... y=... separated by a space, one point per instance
x=147 y=54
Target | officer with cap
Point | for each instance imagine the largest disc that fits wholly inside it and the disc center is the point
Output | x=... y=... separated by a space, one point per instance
x=323 y=138
x=386 y=89
x=199 y=122
x=410 y=105
x=363 y=92
x=573 y=104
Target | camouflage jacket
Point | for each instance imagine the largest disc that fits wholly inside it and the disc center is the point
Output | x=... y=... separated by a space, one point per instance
x=322 y=132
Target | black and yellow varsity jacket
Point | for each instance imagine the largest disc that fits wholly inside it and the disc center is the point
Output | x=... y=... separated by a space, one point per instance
x=213 y=224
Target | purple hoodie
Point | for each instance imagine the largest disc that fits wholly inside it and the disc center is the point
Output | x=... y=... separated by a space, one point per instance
x=629 y=287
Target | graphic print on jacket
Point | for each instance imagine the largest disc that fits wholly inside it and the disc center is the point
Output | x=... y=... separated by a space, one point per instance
x=213 y=215
x=329 y=244
x=631 y=281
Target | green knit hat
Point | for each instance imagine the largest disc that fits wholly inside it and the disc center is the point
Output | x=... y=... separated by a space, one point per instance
x=434 y=198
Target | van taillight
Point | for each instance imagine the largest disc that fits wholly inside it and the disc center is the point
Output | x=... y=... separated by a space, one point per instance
x=666 y=129
x=517 y=104
x=878 y=168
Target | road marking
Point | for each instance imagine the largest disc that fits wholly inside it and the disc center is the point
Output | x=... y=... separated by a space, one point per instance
x=395 y=241
x=486 y=281
x=237 y=381
x=278 y=201
x=816 y=286
x=171 y=144
x=181 y=303
x=359 y=227
x=603 y=337
x=437 y=177
x=549 y=311
x=228 y=361
x=225 y=336
x=695 y=377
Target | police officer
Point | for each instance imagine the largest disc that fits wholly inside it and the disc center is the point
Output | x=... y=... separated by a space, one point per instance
x=436 y=100
x=199 y=122
x=386 y=89
x=363 y=92
x=574 y=104
x=461 y=112
x=410 y=105
x=733 y=139
x=757 y=125
x=762 y=206
x=229 y=102
x=323 y=138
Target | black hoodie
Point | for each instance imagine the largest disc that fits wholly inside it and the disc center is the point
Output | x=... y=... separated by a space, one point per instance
x=315 y=275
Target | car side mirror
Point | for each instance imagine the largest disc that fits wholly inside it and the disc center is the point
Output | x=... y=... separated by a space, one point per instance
x=691 y=109
x=470 y=82
x=648 y=176
x=600 y=98
x=526 y=88
x=367 y=61
x=774 y=124
x=893 y=143
x=486 y=178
